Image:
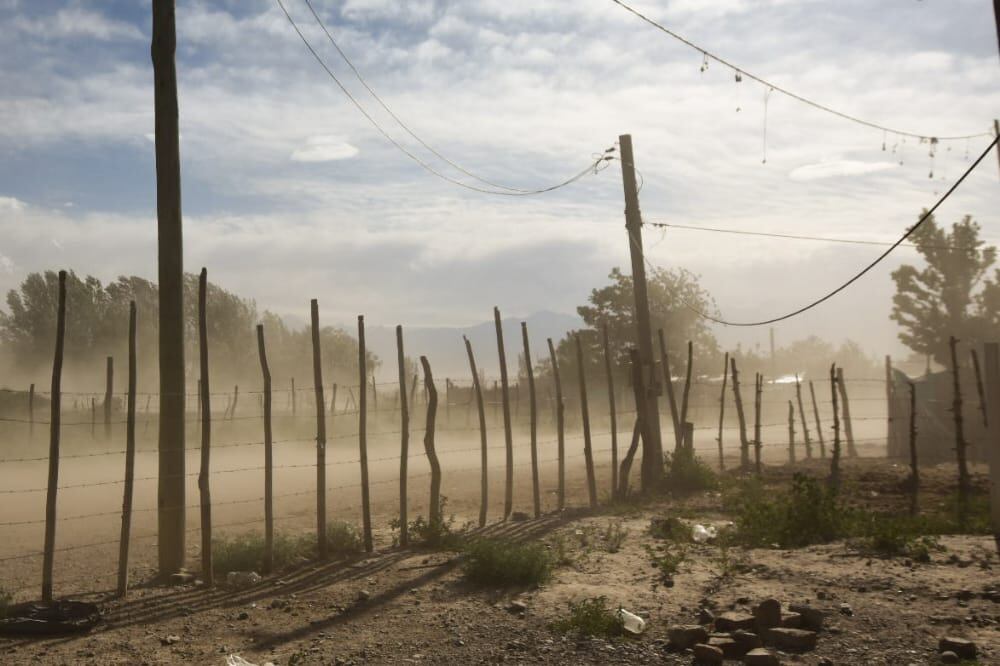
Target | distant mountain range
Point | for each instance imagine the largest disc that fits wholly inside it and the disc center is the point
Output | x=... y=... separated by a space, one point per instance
x=445 y=350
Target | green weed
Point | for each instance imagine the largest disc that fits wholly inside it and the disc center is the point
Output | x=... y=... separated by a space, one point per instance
x=590 y=617
x=505 y=563
x=614 y=536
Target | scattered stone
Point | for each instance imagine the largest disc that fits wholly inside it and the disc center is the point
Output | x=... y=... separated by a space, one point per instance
x=683 y=636
x=364 y=595
x=705 y=616
x=791 y=620
x=767 y=614
x=243 y=616
x=964 y=648
x=845 y=609
x=812 y=618
x=760 y=657
x=517 y=607
x=791 y=639
x=733 y=620
x=949 y=657
x=747 y=640
x=708 y=655
x=170 y=640
x=730 y=648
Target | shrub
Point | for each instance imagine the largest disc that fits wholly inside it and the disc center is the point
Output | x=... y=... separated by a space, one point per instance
x=590 y=617
x=614 y=536
x=809 y=513
x=439 y=533
x=5 y=601
x=672 y=529
x=342 y=538
x=669 y=561
x=685 y=474
x=499 y=562
x=245 y=552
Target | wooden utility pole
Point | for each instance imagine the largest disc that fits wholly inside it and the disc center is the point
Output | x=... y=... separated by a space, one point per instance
x=992 y=361
x=652 y=447
x=170 y=260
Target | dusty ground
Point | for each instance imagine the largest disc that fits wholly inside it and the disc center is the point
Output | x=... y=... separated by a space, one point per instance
x=419 y=609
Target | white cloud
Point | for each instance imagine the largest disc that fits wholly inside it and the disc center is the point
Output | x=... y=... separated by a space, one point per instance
x=324 y=149
x=837 y=168
x=11 y=204
x=78 y=22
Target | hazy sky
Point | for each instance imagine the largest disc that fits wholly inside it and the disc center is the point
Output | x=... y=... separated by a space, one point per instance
x=289 y=194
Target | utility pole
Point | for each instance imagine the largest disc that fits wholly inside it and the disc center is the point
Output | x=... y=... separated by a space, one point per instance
x=171 y=277
x=652 y=447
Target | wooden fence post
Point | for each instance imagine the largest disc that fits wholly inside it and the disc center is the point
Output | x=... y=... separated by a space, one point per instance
x=268 y=455
x=845 y=410
x=835 y=378
x=533 y=407
x=374 y=392
x=914 y=467
x=889 y=406
x=321 y=539
x=205 y=407
x=758 y=392
x=819 y=425
x=991 y=358
x=722 y=411
x=53 y=480
x=669 y=383
x=109 y=395
x=979 y=387
x=404 y=441
x=626 y=466
x=687 y=383
x=960 y=443
x=639 y=388
x=236 y=399
x=447 y=401
x=333 y=403
x=127 y=491
x=741 y=418
x=31 y=410
x=508 y=496
x=802 y=417
x=432 y=403
x=791 y=433
x=294 y=401
x=688 y=430
x=588 y=453
x=611 y=408
x=560 y=426
x=484 y=467
x=366 y=514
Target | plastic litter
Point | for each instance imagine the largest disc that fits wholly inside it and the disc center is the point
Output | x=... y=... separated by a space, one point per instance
x=631 y=622
x=701 y=534
x=237 y=660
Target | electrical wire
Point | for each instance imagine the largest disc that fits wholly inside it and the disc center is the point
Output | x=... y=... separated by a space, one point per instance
x=784 y=91
x=923 y=218
x=594 y=167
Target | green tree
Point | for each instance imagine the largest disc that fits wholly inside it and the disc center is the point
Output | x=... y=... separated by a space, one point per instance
x=951 y=294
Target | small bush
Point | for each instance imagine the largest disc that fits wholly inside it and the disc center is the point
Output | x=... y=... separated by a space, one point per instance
x=5 y=600
x=614 y=536
x=245 y=552
x=342 y=538
x=590 y=617
x=671 y=529
x=439 y=533
x=504 y=563
x=558 y=547
x=669 y=561
x=685 y=474
x=809 y=513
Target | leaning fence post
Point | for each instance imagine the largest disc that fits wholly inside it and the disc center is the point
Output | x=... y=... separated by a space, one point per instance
x=819 y=425
x=612 y=410
x=205 y=408
x=53 y=480
x=802 y=416
x=960 y=443
x=687 y=383
x=722 y=410
x=109 y=393
x=845 y=408
x=992 y=361
x=560 y=426
x=366 y=514
x=432 y=403
x=835 y=378
x=669 y=383
x=508 y=497
x=236 y=399
x=404 y=441
x=914 y=467
x=533 y=407
x=741 y=418
x=268 y=456
x=588 y=453
x=791 y=433
x=123 y=542
x=758 y=391
x=979 y=386
x=320 y=430
x=484 y=474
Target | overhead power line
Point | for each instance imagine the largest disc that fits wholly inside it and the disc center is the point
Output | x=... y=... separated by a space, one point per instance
x=909 y=232
x=852 y=241
x=740 y=73
x=596 y=164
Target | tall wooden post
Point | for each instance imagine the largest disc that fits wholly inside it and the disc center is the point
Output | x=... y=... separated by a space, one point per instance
x=320 y=429
x=914 y=466
x=268 y=456
x=835 y=378
x=668 y=382
x=294 y=401
x=960 y=443
x=639 y=388
x=791 y=433
x=560 y=426
x=404 y=441
x=991 y=358
x=54 y=419
x=484 y=480
x=802 y=417
x=536 y=490
x=845 y=408
x=31 y=410
x=236 y=399
x=109 y=394
x=432 y=404
x=722 y=410
x=588 y=452
x=687 y=383
x=508 y=493
x=741 y=418
x=93 y=418
x=819 y=425
x=979 y=387
x=889 y=407
x=611 y=408
x=652 y=449
x=205 y=408
x=366 y=513
x=170 y=260
x=758 y=390
x=127 y=491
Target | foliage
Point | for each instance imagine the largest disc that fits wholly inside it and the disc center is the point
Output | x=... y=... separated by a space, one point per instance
x=808 y=513
x=951 y=295
x=342 y=538
x=670 y=528
x=685 y=473
x=669 y=560
x=440 y=533
x=614 y=536
x=245 y=552
x=590 y=617
x=504 y=563
x=5 y=600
